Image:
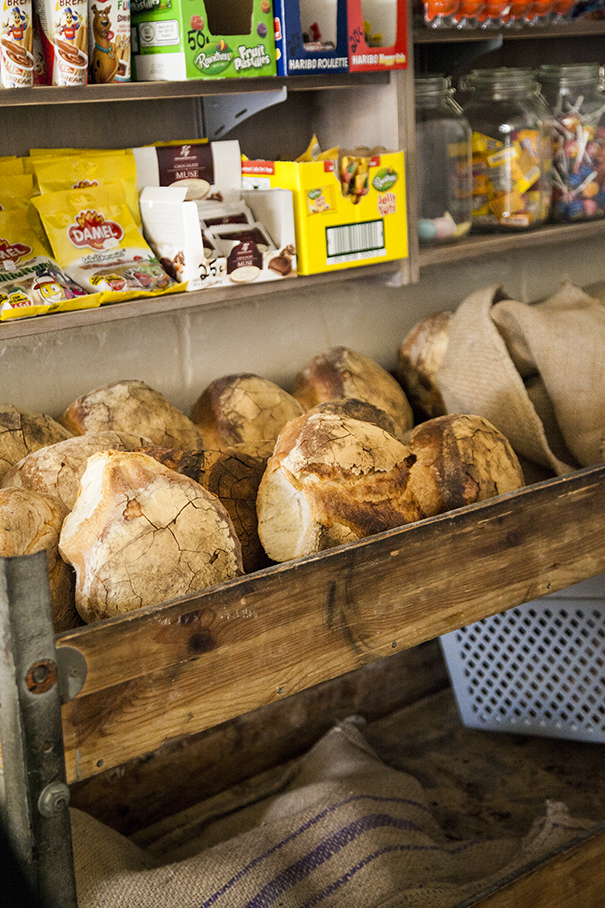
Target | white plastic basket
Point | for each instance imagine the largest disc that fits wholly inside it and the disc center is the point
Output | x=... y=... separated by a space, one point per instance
x=536 y=669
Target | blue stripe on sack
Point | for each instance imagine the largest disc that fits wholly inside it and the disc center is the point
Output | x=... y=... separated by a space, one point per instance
x=388 y=849
x=324 y=852
x=302 y=829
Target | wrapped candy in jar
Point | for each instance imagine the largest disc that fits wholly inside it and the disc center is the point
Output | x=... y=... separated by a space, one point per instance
x=574 y=93
x=443 y=144
x=512 y=149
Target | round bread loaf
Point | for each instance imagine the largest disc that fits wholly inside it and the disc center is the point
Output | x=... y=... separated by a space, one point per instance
x=233 y=476
x=357 y=409
x=57 y=469
x=22 y=432
x=31 y=522
x=419 y=357
x=132 y=406
x=243 y=409
x=331 y=479
x=141 y=534
x=341 y=373
x=460 y=459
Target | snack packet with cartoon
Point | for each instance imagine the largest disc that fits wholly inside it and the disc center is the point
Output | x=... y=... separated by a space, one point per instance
x=31 y=281
x=94 y=237
x=55 y=173
x=64 y=34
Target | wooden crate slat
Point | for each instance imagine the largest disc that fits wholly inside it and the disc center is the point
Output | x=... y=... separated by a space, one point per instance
x=164 y=672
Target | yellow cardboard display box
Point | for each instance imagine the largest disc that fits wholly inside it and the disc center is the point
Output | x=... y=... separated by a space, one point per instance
x=347 y=213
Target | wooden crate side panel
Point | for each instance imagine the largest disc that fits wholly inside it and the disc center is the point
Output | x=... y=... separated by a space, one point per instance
x=159 y=674
x=574 y=877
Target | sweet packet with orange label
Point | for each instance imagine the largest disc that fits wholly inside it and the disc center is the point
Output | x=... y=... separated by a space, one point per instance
x=94 y=237
x=31 y=281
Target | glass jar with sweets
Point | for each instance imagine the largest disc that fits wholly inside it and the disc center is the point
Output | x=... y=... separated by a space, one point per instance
x=512 y=149
x=575 y=96
x=443 y=145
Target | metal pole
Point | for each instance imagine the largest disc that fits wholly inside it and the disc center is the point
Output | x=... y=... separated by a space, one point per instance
x=37 y=796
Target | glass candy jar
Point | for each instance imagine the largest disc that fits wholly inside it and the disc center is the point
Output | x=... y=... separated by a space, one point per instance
x=574 y=94
x=512 y=149
x=443 y=145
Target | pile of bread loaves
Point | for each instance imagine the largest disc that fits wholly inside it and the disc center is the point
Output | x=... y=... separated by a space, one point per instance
x=137 y=503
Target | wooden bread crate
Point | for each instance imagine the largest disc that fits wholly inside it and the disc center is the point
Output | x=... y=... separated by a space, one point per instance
x=163 y=676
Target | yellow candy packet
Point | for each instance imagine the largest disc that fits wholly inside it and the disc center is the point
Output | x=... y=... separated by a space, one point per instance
x=31 y=281
x=17 y=191
x=94 y=237
x=55 y=173
x=10 y=164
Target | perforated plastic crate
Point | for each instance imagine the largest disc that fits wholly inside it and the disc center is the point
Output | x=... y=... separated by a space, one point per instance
x=536 y=669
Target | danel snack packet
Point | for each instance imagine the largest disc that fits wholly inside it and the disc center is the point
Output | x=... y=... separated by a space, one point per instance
x=31 y=281
x=55 y=173
x=94 y=237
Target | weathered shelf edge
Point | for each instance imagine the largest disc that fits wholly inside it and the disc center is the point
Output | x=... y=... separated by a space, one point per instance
x=193 y=88
x=163 y=672
x=172 y=302
x=477 y=245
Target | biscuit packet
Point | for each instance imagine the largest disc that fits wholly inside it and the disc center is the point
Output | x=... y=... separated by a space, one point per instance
x=64 y=38
x=31 y=281
x=17 y=191
x=94 y=237
x=55 y=173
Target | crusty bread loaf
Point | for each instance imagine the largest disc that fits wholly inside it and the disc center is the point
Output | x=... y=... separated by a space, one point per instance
x=22 y=432
x=233 y=476
x=460 y=459
x=132 y=406
x=419 y=357
x=243 y=409
x=57 y=469
x=140 y=534
x=331 y=479
x=353 y=408
x=31 y=522
x=341 y=373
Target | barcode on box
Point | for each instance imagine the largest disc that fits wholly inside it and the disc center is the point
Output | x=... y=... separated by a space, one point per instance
x=351 y=242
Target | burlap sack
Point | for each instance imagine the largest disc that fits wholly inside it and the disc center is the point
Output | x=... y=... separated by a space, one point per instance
x=536 y=371
x=335 y=828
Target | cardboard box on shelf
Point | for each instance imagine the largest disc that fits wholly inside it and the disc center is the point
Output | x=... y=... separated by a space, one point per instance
x=176 y=40
x=334 y=230
x=311 y=36
x=203 y=226
x=378 y=35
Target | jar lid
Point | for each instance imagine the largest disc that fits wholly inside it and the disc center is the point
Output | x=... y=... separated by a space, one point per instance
x=571 y=72
x=504 y=78
x=432 y=84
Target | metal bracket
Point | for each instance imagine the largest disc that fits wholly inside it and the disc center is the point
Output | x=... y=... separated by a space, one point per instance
x=221 y=113
x=72 y=672
x=37 y=796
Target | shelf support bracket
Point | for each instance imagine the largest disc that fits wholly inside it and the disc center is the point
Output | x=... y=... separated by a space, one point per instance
x=221 y=113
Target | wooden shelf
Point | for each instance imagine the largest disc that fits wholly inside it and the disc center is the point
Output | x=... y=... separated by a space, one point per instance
x=255 y=640
x=580 y=28
x=193 y=88
x=495 y=243
x=171 y=302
